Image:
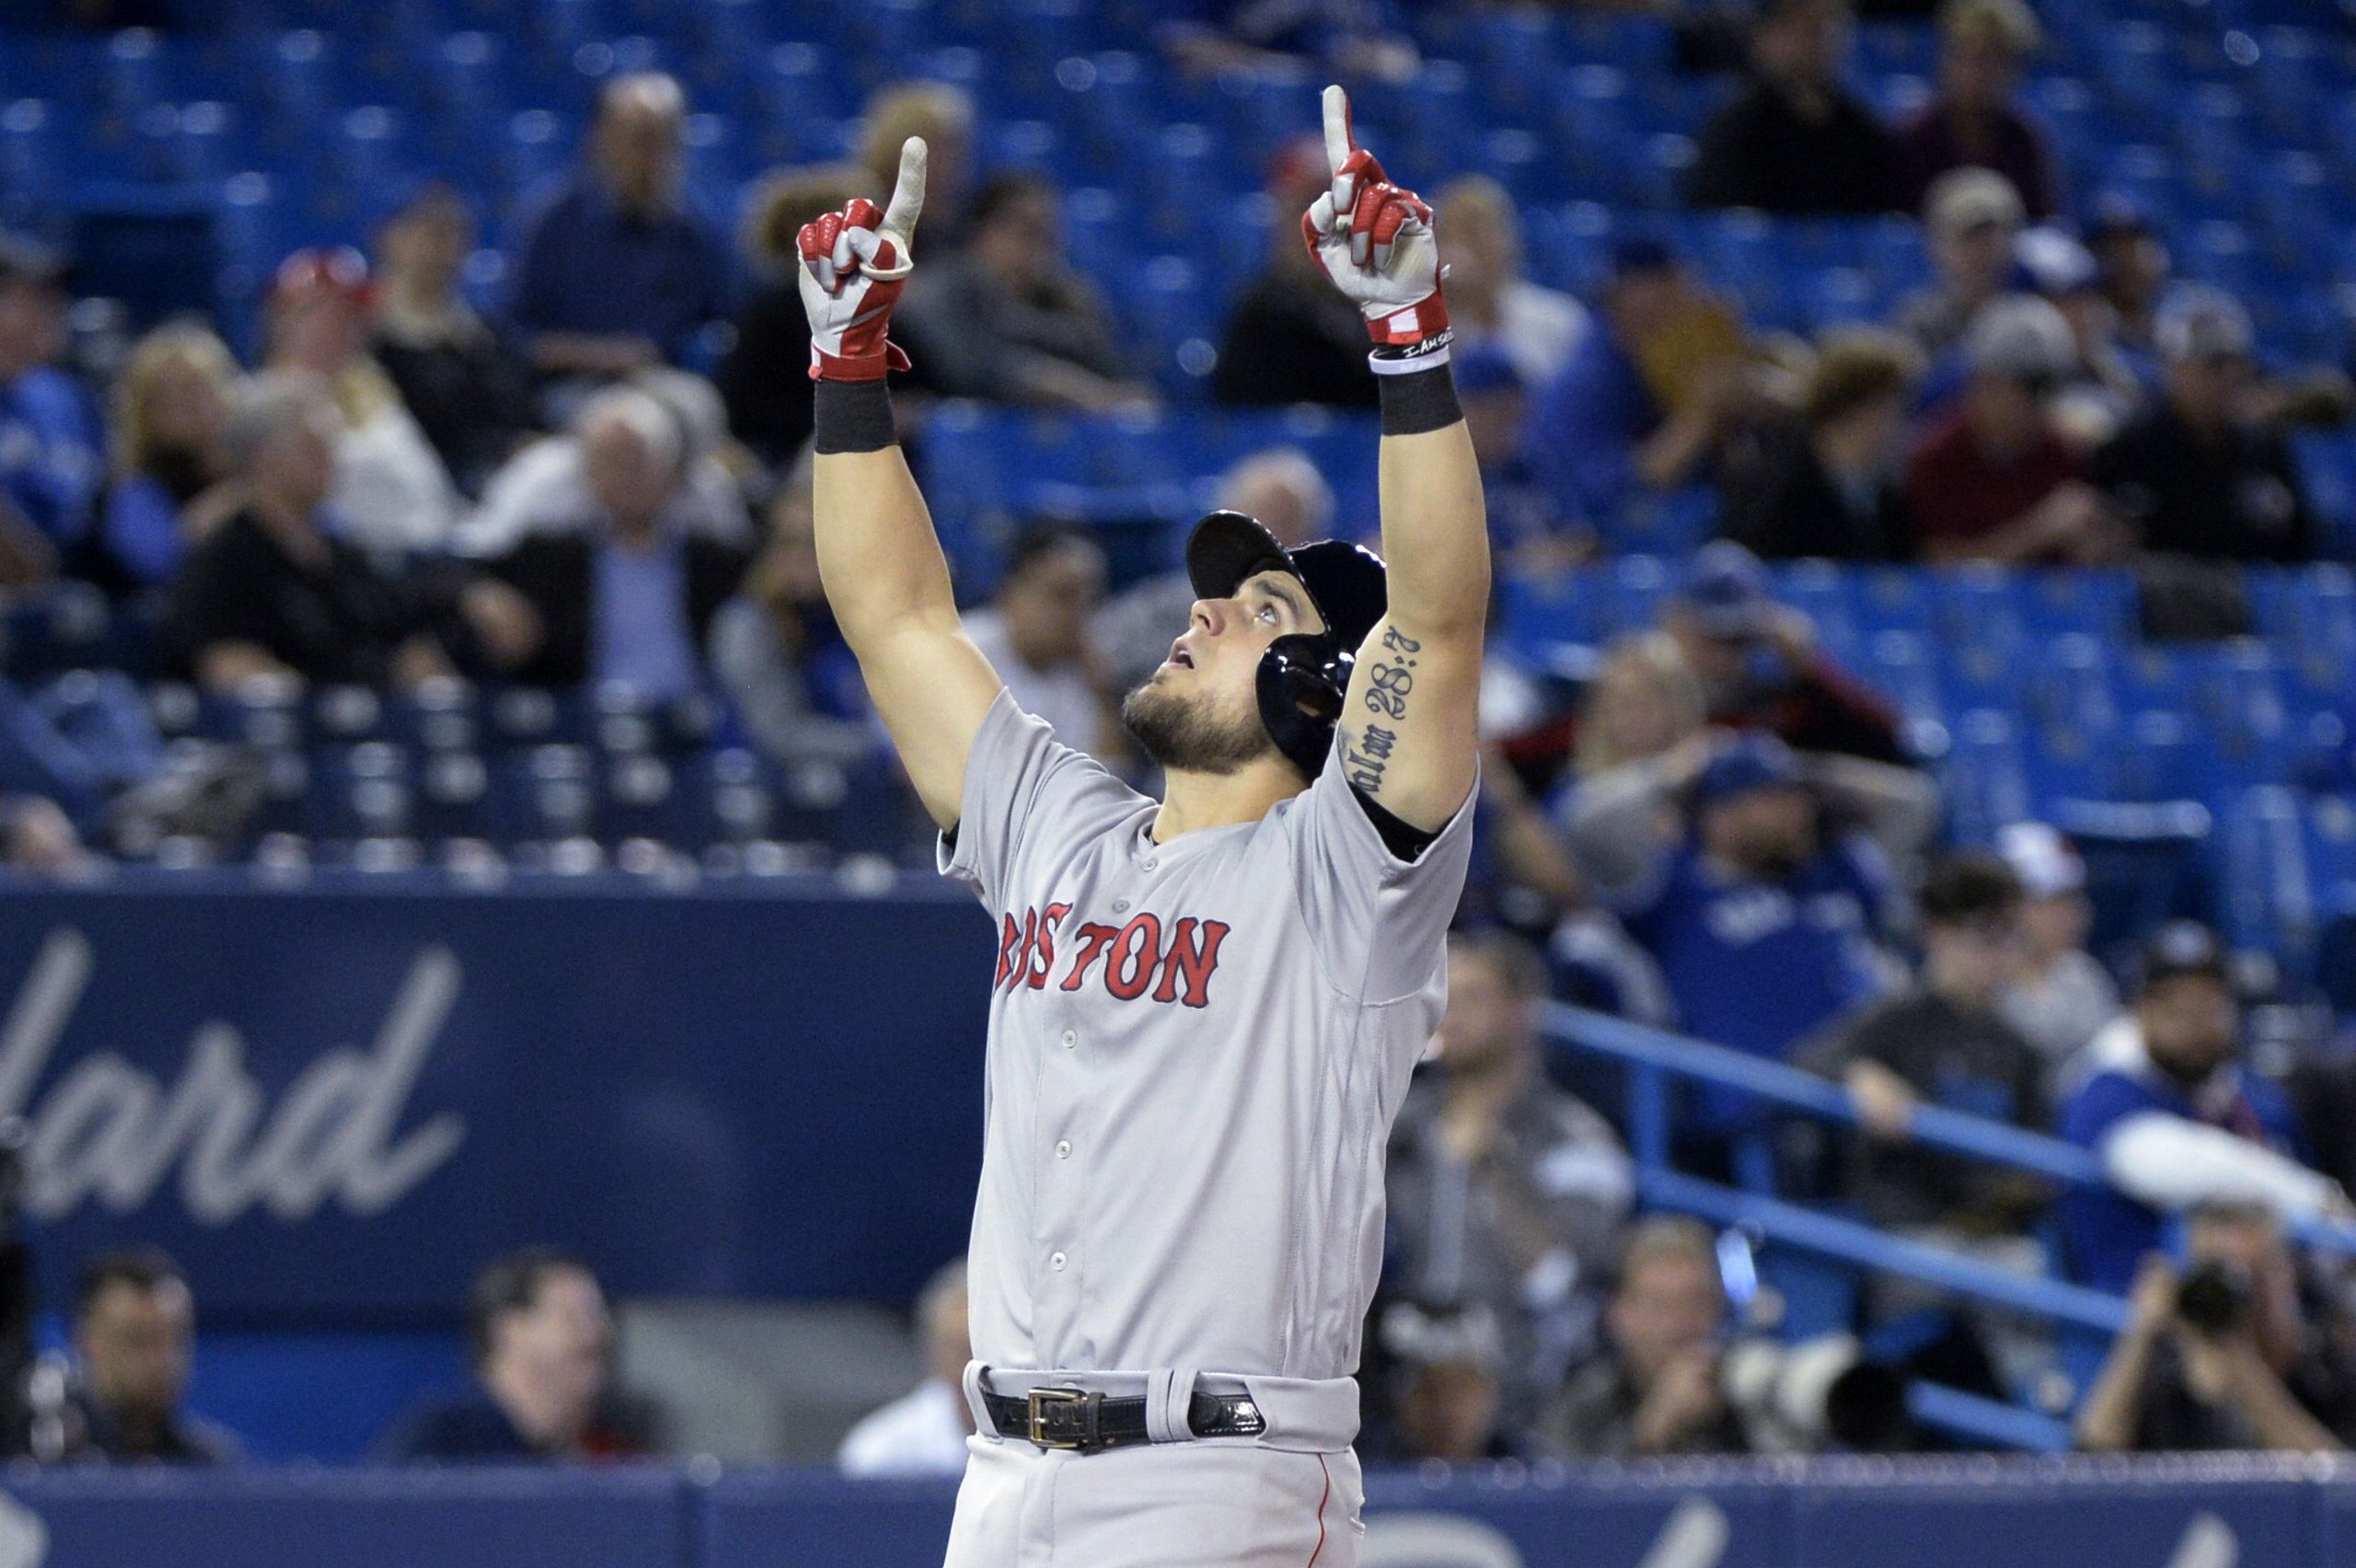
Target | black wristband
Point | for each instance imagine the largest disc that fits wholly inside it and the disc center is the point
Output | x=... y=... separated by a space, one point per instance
x=854 y=416
x=1418 y=401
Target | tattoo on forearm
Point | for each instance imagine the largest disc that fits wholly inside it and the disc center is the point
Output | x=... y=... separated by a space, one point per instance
x=1366 y=754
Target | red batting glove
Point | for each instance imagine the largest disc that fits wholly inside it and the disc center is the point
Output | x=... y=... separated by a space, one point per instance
x=854 y=264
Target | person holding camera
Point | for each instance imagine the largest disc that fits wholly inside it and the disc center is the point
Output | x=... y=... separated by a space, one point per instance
x=2221 y=1355
x=1660 y=1386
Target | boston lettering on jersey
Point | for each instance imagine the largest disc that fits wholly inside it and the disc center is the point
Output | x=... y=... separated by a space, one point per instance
x=1136 y=959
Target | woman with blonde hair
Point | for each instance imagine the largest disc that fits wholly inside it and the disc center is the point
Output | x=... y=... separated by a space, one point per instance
x=170 y=405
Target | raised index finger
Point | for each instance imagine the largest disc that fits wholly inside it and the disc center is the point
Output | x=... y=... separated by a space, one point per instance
x=1339 y=143
x=908 y=194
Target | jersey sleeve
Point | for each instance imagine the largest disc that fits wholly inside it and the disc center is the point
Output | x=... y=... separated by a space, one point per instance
x=1380 y=922
x=1022 y=782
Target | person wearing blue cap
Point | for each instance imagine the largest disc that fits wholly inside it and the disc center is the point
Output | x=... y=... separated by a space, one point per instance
x=1766 y=921
x=1760 y=668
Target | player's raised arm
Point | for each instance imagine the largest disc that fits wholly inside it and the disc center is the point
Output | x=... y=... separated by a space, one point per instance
x=1410 y=722
x=878 y=556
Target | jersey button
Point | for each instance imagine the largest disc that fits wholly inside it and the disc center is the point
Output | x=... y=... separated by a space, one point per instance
x=1056 y=1261
x=1120 y=905
x=1063 y=1150
x=1152 y=865
x=1071 y=1040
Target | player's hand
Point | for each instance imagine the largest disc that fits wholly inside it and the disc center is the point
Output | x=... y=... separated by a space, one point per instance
x=854 y=264
x=1375 y=241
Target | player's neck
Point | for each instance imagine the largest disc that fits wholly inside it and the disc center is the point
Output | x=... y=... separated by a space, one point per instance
x=1192 y=801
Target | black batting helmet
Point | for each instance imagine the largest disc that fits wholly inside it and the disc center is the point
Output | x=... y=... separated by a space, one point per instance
x=1303 y=676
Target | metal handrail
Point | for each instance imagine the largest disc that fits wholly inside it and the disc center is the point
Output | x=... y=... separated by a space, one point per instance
x=1654 y=1052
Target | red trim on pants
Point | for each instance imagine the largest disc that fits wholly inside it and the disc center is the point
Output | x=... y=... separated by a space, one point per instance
x=1320 y=1511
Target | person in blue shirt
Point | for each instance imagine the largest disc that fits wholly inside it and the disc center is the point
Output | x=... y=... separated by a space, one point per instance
x=171 y=406
x=1766 y=926
x=2176 y=1120
x=52 y=457
x=1597 y=437
x=615 y=271
x=542 y=1343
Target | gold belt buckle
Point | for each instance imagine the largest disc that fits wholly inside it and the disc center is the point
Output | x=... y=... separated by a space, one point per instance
x=1040 y=1401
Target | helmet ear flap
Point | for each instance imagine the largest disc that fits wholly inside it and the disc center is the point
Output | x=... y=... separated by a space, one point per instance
x=1300 y=684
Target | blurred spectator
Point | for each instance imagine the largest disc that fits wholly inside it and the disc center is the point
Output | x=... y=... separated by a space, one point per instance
x=545 y=488
x=462 y=384
x=614 y=270
x=625 y=597
x=1644 y=701
x=169 y=406
x=2195 y=476
x=1765 y=919
x=2134 y=260
x=2175 y=1119
x=38 y=838
x=777 y=651
x=390 y=490
x=1994 y=480
x=1504 y=1192
x=2221 y=1355
x=2063 y=998
x=541 y=1341
x=1620 y=820
x=943 y=116
x=271 y=593
x=77 y=745
x=1972 y=120
x=1282 y=488
x=1644 y=403
x=764 y=380
x=923 y=1432
x=1829 y=488
x=1446 y=1369
x=52 y=463
x=1345 y=37
x=1659 y=1389
x=1971 y=217
x=1796 y=140
x=1942 y=1042
x=134 y=1327
x=1523 y=527
x=1007 y=319
x=1034 y=633
x=1489 y=300
x=1290 y=337
x=1760 y=666
x=2103 y=388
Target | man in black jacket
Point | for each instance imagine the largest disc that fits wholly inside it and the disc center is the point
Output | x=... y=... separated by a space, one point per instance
x=626 y=598
x=2195 y=475
x=1796 y=140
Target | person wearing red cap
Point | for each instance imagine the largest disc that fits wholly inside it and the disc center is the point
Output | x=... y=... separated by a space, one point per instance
x=390 y=490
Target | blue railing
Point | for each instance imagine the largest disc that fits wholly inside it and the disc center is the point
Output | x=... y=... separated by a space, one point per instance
x=2085 y=1319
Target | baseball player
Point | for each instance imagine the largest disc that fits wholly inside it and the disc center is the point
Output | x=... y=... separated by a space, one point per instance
x=1207 y=1006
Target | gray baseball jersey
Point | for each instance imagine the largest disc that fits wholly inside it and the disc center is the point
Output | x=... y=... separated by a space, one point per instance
x=1196 y=1049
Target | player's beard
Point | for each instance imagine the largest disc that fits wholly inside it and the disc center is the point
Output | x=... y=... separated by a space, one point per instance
x=1190 y=734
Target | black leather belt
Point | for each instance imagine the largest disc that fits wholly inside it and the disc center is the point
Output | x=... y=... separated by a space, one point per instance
x=1088 y=1423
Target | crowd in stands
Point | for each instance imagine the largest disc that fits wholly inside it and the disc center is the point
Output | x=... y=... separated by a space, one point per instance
x=603 y=486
